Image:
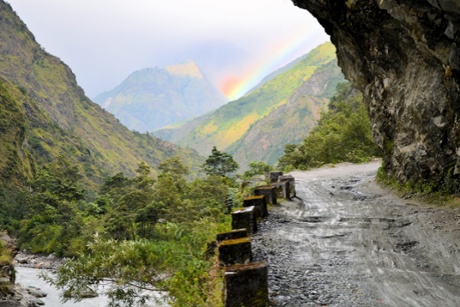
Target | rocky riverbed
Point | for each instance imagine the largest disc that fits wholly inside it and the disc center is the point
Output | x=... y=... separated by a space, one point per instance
x=347 y=242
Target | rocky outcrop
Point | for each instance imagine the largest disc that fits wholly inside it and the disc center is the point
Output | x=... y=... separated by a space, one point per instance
x=404 y=56
x=23 y=297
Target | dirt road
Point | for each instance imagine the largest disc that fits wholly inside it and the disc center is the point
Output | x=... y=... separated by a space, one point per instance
x=347 y=242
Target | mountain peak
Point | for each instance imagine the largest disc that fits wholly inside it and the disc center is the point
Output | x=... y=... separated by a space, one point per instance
x=154 y=97
x=187 y=69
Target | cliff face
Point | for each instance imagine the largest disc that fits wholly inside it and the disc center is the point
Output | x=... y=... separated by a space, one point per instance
x=404 y=56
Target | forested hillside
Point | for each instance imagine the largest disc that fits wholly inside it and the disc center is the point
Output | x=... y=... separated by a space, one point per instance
x=54 y=117
x=280 y=111
x=70 y=172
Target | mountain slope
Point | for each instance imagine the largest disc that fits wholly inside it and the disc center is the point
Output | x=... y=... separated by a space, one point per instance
x=153 y=98
x=58 y=119
x=291 y=122
x=280 y=111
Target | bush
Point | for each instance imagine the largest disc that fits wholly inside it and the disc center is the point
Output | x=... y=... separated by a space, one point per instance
x=342 y=135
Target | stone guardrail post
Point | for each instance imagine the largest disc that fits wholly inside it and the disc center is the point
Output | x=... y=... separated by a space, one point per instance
x=291 y=180
x=232 y=234
x=235 y=251
x=282 y=189
x=259 y=202
x=269 y=191
x=245 y=218
x=246 y=285
x=274 y=176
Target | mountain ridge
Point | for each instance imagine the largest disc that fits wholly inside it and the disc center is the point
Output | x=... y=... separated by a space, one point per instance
x=228 y=125
x=151 y=98
x=60 y=120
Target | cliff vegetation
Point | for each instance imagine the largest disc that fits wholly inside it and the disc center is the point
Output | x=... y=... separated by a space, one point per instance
x=343 y=134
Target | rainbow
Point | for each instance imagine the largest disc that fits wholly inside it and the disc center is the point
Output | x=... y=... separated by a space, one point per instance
x=281 y=54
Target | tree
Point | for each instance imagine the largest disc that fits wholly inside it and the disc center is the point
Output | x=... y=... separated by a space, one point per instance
x=219 y=163
x=174 y=166
x=53 y=221
x=138 y=254
x=257 y=168
x=129 y=199
x=343 y=134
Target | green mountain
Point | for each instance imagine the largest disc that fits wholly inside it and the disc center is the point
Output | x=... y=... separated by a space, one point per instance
x=153 y=98
x=45 y=114
x=280 y=111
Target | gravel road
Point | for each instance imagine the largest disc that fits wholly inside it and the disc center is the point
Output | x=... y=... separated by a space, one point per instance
x=347 y=242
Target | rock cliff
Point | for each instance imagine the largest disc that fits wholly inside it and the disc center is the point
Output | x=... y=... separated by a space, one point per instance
x=404 y=56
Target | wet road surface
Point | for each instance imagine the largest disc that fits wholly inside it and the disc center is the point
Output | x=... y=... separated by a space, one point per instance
x=347 y=242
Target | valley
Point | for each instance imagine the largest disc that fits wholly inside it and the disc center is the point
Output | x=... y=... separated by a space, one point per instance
x=279 y=111
x=131 y=202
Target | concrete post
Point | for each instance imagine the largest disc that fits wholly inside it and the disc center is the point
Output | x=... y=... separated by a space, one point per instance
x=246 y=285
x=268 y=191
x=233 y=234
x=259 y=202
x=274 y=176
x=245 y=218
x=236 y=251
x=291 y=180
x=282 y=189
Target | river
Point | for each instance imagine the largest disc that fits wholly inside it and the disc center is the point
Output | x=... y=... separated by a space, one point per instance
x=30 y=277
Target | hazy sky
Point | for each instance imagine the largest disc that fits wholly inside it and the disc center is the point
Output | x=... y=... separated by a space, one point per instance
x=235 y=43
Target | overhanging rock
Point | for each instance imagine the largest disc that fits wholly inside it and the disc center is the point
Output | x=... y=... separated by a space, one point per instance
x=404 y=56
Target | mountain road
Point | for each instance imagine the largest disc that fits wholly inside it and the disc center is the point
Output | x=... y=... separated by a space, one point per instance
x=345 y=241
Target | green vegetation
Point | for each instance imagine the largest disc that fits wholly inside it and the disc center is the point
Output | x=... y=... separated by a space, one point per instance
x=45 y=114
x=5 y=255
x=58 y=151
x=257 y=168
x=140 y=233
x=52 y=221
x=219 y=163
x=342 y=135
x=281 y=110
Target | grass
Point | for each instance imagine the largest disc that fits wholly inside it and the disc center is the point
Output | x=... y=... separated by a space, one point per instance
x=5 y=255
x=422 y=193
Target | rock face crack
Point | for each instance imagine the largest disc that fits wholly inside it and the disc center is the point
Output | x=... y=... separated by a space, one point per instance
x=403 y=56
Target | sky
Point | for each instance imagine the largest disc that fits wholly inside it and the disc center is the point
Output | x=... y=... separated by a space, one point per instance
x=235 y=43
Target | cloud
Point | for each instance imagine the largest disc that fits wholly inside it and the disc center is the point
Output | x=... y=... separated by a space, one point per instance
x=104 y=41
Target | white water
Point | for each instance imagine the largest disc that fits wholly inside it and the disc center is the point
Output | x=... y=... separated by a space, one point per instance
x=29 y=277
